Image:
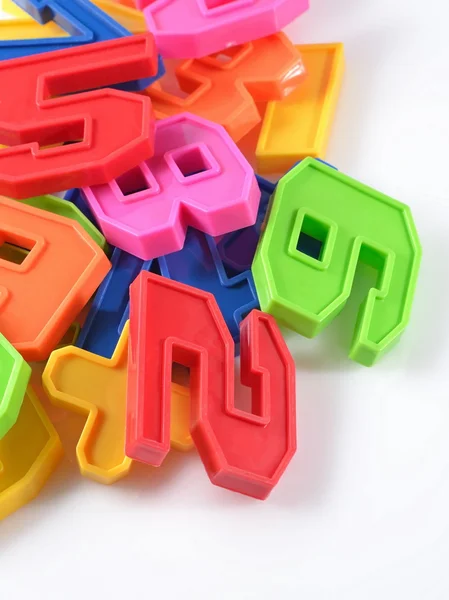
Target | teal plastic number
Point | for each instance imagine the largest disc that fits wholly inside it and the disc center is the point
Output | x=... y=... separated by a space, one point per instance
x=348 y=222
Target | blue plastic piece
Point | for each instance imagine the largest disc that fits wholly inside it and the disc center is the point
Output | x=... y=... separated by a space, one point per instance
x=76 y=197
x=83 y=21
x=237 y=249
x=101 y=331
x=197 y=264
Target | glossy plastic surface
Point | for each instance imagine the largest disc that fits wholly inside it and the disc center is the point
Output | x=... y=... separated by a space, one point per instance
x=195 y=28
x=15 y=374
x=76 y=197
x=61 y=207
x=237 y=249
x=242 y=451
x=353 y=223
x=49 y=111
x=130 y=18
x=109 y=310
x=198 y=264
x=84 y=22
x=225 y=88
x=26 y=28
x=197 y=177
x=299 y=126
x=42 y=296
x=95 y=386
x=29 y=453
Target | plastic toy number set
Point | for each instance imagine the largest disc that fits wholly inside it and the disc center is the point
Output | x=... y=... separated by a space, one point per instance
x=169 y=255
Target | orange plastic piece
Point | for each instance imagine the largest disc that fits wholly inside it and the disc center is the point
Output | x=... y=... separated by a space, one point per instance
x=42 y=296
x=299 y=126
x=29 y=453
x=130 y=3
x=124 y=13
x=224 y=88
x=96 y=387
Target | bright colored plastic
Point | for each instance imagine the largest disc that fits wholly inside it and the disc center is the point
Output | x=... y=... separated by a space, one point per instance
x=109 y=310
x=76 y=197
x=15 y=374
x=42 y=296
x=127 y=16
x=237 y=249
x=85 y=23
x=27 y=29
x=29 y=453
x=31 y=117
x=61 y=207
x=246 y=452
x=197 y=178
x=96 y=387
x=352 y=222
x=299 y=126
x=195 y=28
x=11 y=8
x=198 y=264
x=226 y=91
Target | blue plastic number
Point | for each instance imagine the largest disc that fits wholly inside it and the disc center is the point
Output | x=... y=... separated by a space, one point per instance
x=197 y=264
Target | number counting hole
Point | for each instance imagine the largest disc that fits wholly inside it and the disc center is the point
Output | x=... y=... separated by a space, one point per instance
x=312 y=238
x=132 y=182
x=191 y=162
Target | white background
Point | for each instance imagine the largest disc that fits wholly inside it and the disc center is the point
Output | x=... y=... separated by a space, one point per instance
x=363 y=511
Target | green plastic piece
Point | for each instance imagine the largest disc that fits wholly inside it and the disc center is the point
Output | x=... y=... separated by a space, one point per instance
x=59 y=206
x=15 y=374
x=352 y=222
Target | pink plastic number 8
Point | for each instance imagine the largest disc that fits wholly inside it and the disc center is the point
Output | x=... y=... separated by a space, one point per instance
x=197 y=177
x=196 y=28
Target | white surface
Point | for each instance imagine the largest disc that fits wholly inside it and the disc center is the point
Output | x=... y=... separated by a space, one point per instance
x=363 y=511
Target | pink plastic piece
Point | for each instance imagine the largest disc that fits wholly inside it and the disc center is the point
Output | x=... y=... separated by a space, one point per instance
x=196 y=28
x=197 y=177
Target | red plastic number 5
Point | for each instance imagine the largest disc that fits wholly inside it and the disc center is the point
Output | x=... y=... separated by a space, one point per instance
x=242 y=451
x=110 y=130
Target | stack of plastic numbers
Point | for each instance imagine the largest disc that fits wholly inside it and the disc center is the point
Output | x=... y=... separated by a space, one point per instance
x=142 y=249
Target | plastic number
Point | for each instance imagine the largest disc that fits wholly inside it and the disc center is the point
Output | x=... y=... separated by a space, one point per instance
x=298 y=126
x=227 y=92
x=31 y=117
x=96 y=387
x=82 y=20
x=242 y=451
x=29 y=453
x=350 y=222
x=61 y=268
x=195 y=28
x=197 y=177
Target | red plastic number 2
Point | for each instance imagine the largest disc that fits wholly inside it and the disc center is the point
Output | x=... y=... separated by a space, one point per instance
x=246 y=452
x=41 y=109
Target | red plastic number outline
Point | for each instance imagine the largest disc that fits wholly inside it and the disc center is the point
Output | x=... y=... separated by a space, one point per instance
x=32 y=117
x=241 y=451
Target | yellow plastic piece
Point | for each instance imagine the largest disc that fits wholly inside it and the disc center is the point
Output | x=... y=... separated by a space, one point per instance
x=130 y=18
x=24 y=27
x=96 y=387
x=29 y=453
x=11 y=8
x=299 y=126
